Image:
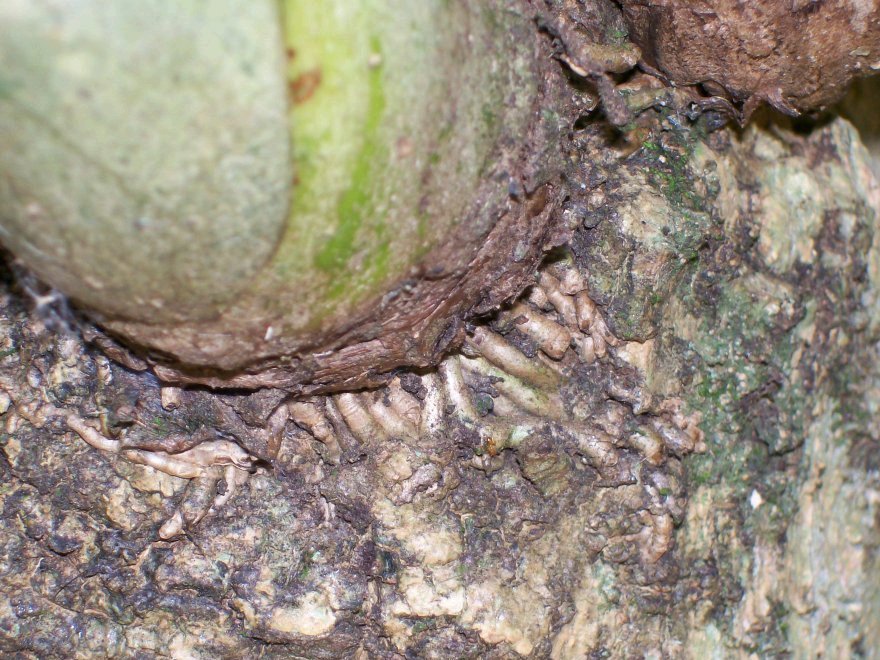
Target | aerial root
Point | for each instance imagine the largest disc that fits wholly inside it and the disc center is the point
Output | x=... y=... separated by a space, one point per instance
x=552 y=339
x=205 y=465
x=511 y=360
x=358 y=418
x=309 y=416
x=493 y=396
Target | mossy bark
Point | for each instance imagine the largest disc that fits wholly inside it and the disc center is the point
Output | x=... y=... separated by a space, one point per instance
x=294 y=195
x=691 y=472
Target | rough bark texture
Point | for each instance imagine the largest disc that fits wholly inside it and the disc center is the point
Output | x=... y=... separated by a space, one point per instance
x=543 y=515
x=667 y=448
x=410 y=181
x=797 y=55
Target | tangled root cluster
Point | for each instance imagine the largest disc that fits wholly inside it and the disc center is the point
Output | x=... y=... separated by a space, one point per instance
x=534 y=444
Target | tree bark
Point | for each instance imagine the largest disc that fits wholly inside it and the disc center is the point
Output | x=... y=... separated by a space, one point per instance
x=667 y=447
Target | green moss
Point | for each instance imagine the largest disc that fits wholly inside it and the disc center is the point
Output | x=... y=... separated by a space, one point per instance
x=739 y=346
x=618 y=35
x=490 y=118
x=671 y=174
x=424 y=624
x=159 y=425
x=356 y=203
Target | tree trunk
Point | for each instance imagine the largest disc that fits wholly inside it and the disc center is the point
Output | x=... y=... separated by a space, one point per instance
x=668 y=447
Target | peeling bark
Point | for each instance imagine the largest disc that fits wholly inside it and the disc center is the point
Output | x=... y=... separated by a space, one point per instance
x=666 y=447
x=721 y=296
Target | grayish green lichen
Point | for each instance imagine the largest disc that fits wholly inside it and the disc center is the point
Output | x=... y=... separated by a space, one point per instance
x=563 y=511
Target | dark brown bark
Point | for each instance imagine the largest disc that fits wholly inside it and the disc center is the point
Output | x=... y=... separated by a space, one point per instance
x=666 y=448
x=798 y=56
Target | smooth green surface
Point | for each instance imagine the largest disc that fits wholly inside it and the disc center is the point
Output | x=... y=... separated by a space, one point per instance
x=339 y=147
x=391 y=146
x=144 y=155
x=256 y=173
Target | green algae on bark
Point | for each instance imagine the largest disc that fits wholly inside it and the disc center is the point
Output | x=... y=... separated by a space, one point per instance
x=768 y=330
x=590 y=528
x=300 y=194
x=398 y=541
